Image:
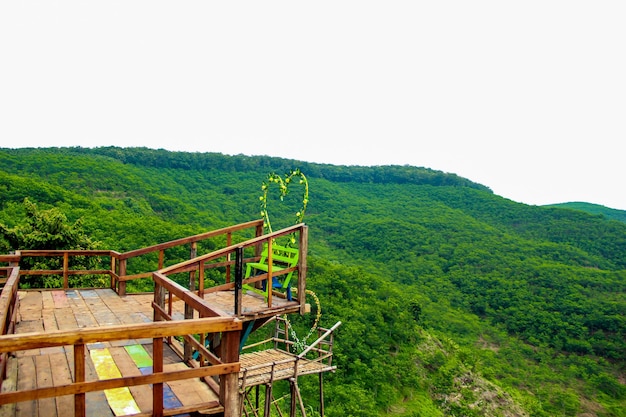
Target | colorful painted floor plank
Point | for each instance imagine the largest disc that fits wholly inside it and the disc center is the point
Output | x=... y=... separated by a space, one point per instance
x=84 y=317
x=190 y=393
x=139 y=355
x=97 y=404
x=141 y=393
x=170 y=400
x=60 y=299
x=120 y=400
x=89 y=294
x=71 y=294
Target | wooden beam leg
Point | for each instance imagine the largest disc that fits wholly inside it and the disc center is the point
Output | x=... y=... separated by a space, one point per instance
x=268 y=400
x=321 y=394
x=229 y=383
x=292 y=386
x=302 y=410
x=157 y=366
x=79 y=376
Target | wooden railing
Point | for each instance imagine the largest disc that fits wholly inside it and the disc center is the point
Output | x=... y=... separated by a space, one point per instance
x=234 y=256
x=8 y=309
x=65 y=272
x=228 y=366
x=118 y=262
x=8 y=305
x=121 y=278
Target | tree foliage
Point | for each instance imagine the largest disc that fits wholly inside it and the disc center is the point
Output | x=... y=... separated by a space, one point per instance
x=46 y=230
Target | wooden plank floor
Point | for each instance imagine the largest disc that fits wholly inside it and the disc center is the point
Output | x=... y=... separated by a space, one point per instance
x=41 y=311
x=254 y=305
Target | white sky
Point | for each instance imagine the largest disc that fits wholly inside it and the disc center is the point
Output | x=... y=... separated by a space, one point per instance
x=525 y=97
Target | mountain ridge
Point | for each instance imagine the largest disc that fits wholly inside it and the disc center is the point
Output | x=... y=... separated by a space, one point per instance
x=592 y=208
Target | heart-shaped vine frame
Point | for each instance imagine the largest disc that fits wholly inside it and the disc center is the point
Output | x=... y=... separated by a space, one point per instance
x=283 y=186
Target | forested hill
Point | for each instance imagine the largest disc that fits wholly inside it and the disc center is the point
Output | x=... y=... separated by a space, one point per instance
x=241 y=163
x=455 y=301
x=609 y=213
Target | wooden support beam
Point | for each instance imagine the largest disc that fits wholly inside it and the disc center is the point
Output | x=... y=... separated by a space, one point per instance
x=292 y=387
x=157 y=367
x=121 y=285
x=66 y=262
x=229 y=241
x=238 y=280
x=321 y=394
x=229 y=383
x=302 y=269
x=79 y=376
x=267 y=411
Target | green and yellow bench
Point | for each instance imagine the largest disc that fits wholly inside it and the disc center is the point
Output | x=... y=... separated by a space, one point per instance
x=284 y=262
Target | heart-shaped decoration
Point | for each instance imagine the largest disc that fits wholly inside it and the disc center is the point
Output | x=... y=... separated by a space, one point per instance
x=283 y=186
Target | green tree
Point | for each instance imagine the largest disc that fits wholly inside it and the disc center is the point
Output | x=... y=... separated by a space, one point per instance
x=45 y=229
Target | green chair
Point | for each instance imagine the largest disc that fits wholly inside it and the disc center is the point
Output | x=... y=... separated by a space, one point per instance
x=283 y=258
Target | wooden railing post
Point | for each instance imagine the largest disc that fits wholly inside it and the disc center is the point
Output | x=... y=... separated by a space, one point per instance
x=188 y=349
x=161 y=258
x=157 y=366
x=66 y=262
x=270 y=280
x=16 y=263
x=201 y=279
x=229 y=383
x=259 y=230
x=238 y=280
x=192 y=274
x=159 y=300
x=113 y=266
x=121 y=285
x=79 y=376
x=229 y=241
x=303 y=244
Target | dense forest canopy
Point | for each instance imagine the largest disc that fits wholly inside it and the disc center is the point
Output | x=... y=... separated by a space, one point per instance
x=609 y=213
x=455 y=301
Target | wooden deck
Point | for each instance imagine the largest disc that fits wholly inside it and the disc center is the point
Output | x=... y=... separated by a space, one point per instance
x=42 y=311
x=66 y=351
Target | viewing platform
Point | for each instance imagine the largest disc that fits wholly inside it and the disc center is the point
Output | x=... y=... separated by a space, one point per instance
x=179 y=350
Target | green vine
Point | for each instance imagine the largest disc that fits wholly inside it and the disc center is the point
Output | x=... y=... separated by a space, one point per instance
x=283 y=186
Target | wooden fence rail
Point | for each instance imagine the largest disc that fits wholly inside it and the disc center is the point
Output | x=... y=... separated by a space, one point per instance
x=201 y=263
x=8 y=310
x=228 y=365
x=117 y=271
x=196 y=266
